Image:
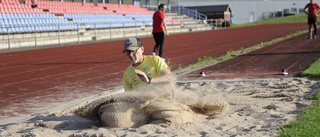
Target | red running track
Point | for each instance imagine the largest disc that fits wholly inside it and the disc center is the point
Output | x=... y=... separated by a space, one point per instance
x=35 y=80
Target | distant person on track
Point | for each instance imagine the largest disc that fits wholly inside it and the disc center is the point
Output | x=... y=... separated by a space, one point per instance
x=144 y=69
x=159 y=29
x=311 y=9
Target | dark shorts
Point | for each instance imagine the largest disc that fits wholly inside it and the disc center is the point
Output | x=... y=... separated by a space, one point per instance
x=312 y=20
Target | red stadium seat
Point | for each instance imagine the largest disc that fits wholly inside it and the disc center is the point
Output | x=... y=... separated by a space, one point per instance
x=83 y=13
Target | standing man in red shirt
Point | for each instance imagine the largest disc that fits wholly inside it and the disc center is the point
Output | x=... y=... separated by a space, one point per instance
x=159 y=29
x=312 y=13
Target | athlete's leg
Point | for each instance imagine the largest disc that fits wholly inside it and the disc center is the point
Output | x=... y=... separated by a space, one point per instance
x=156 y=40
x=161 y=42
x=315 y=27
x=310 y=28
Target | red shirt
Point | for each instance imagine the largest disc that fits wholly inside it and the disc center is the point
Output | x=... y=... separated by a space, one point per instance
x=158 y=18
x=312 y=9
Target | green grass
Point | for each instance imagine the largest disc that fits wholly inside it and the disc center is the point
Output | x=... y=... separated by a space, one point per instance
x=313 y=70
x=308 y=125
x=298 y=18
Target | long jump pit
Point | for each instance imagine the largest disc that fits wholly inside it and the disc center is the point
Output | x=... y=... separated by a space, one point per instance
x=231 y=100
x=255 y=104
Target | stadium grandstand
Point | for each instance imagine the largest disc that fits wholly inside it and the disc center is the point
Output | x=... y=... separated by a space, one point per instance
x=32 y=23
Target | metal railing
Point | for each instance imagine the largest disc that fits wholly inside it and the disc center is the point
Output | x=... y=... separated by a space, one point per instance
x=180 y=10
x=189 y=12
x=218 y=23
x=16 y=36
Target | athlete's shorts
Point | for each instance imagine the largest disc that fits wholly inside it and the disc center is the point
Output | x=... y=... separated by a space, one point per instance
x=312 y=20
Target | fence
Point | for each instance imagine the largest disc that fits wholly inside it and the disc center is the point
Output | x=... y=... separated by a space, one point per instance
x=190 y=13
x=58 y=34
x=180 y=10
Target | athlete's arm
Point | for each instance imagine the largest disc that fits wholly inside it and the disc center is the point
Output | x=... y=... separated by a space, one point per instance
x=305 y=9
x=165 y=77
x=165 y=27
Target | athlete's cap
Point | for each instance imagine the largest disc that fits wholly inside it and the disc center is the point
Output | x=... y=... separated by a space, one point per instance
x=132 y=44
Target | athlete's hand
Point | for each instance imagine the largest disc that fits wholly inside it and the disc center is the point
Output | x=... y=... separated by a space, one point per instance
x=143 y=77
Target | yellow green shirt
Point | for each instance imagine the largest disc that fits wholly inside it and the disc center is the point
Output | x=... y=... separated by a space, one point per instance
x=151 y=65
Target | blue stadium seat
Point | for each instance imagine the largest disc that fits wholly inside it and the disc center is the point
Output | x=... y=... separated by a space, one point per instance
x=23 y=29
x=1 y=21
x=23 y=16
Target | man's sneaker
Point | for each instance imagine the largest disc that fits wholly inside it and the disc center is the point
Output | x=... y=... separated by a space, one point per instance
x=284 y=72
x=202 y=74
x=153 y=53
x=314 y=36
x=309 y=37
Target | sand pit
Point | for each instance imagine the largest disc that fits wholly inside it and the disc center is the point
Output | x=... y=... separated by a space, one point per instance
x=209 y=108
x=167 y=104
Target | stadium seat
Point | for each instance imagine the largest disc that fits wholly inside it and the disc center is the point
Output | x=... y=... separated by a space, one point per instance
x=94 y=17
